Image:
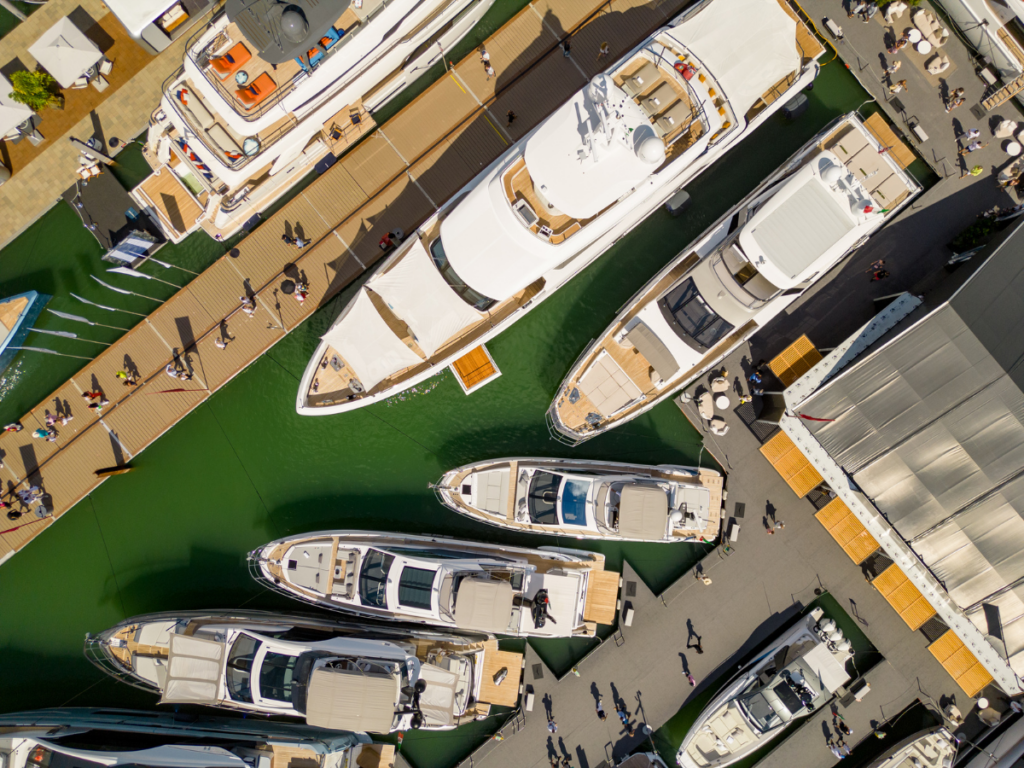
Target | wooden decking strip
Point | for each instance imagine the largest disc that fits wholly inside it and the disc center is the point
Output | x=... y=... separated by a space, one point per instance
x=847 y=530
x=799 y=474
x=394 y=178
x=962 y=665
x=903 y=596
x=602 y=597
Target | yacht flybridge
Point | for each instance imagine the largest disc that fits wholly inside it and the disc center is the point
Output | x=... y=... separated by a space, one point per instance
x=561 y=196
x=748 y=267
x=268 y=88
x=457 y=585
x=588 y=499
x=797 y=675
x=328 y=673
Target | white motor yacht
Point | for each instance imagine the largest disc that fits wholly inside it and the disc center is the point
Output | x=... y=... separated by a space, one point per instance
x=269 y=88
x=328 y=673
x=931 y=748
x=798 y=674
x=457 y=585
x=561 y=196
x=751 y=265
x=589 y=499
x=108 y=738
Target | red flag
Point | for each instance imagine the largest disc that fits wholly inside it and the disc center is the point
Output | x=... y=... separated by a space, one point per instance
x=813 y=418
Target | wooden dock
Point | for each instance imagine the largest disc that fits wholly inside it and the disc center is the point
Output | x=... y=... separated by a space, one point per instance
x=396 y=177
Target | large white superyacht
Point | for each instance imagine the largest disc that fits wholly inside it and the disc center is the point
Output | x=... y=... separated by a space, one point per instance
x=328 y=673
x=269 y=88
x=748 y=267
x=561 y=196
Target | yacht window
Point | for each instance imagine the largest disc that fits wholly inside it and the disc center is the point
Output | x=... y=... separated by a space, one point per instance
x=476 y=300
x=276 y=675
x=789 y=698
x=373 y=579
x=426 y=553
x=691 y=317
x=760 y=712
x=414 y=588
x=543 y=498
x=574 y=502
x=239 y=667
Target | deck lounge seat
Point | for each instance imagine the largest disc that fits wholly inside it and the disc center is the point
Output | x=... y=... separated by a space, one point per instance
x=607 y=385
x=223 y=140
x=641 y=80
x=931 y=28
x=658 y=99
x=230 y=62
x=199 y=112
x=888 y=191
x=674 y=117
x=656 y=353
x=852 y=142
x=937 y=64
x=255 y=92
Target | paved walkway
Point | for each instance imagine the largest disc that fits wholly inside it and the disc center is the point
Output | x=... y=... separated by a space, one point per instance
x=395 y=178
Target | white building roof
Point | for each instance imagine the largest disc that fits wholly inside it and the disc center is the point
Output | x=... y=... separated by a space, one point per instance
x=136 y=15
x=748 y=46
x=12 y=114
x=65 y=52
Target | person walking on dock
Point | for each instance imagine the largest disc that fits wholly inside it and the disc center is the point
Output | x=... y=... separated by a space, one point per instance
x=489 y=70
x=897 y=87
x=248 y=305
x=974 y=146
x=604 y=51
x=690 y=680
x=566 y=47
x=485 y=57
x=13 y=427
x=219 y=343
x=956 y=99
x=893 y=68
x=600 y=710
x=511 y=117
x=621 y=712
x=552 y=725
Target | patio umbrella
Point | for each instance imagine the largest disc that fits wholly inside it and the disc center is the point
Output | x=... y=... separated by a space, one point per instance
x=65 y=52
x=12 y=114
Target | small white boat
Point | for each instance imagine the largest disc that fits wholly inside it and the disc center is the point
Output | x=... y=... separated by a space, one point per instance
x=17 y=313
x=798 y=674
x=328 y=673
x=588 y=499
x=752 y=264
x=560 y=197
x=457 y=585
x=931 y=748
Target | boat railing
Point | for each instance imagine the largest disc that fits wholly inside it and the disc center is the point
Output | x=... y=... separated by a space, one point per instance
x=95 y=651
x=549 y=418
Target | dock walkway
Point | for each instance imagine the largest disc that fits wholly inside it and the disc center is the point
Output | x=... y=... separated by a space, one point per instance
x=394 y=179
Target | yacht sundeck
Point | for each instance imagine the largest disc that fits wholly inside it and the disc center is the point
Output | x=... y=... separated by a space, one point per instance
x=931 y=748
x=331 y=674
x=104 y=738
x=561 y=196
x=794 y=677
x=747 y=268
x=268 y=88
x=588 y=499
x=459 y=585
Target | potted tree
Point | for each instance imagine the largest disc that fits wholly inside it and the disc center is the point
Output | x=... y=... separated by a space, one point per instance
x=36 y=90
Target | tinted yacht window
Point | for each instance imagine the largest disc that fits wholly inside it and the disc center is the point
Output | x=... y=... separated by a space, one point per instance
x=692 y=318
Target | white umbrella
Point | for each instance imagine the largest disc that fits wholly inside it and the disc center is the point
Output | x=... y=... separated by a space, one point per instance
x=12 y=114
x=65 y=52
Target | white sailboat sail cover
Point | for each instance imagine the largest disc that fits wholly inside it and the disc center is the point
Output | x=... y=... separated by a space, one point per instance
x=193 y=670
x=747 y=45
x=367 y=344
x=417 y=293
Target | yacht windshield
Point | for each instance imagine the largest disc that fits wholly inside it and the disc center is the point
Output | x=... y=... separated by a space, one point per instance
x=276 y=675
x=692 y=318
x=239 y=668
x=543 y=498
x=373 y=579
x=760 y=712
x=574 y=502
x=476 y=300
x=415 y=588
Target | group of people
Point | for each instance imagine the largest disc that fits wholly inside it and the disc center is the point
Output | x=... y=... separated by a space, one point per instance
x=29 y=497
x=182 y=375
x=838 y=746
x=96 y=400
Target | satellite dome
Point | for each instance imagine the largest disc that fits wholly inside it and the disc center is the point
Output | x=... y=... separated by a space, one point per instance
x=832 y=174
x=294 y=26
x=651 y=150
x=599 y=88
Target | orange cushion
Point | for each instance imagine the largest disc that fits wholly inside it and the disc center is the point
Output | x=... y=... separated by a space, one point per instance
x=231 y=61
x=256 y=91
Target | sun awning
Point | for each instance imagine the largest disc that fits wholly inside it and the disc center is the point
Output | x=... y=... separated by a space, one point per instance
x=747 y=45
x=193 y=670
x=417 y=293
x=367 y=344
x=565 y=605
x=352 y=700
x=654 y=349
x=830 y=671
x=65 y=52
x=12 y=114
x=437 y=702
x=484 y=605
x=643 y=512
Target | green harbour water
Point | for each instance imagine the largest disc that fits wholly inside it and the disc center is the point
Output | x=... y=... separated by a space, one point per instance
x=244 y=468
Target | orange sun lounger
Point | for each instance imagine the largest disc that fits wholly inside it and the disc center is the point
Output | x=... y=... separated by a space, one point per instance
x=256 y=91
x=231 y=61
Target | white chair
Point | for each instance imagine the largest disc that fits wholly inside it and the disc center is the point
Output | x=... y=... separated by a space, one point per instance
x=82 y=82
x=106 y=66
x=100 y=83
x=719 y=385
x=895 y=9
x=706 y=406
x=1006 y=129
x=718 y=426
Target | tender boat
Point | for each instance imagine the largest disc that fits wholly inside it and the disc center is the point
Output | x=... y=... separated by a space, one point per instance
x=561 y=196
x=796 y=675
x=267 y=89
x=105 y=738
x=17 y=313
x=329 y=673
x=751 y=265
x=931 y=748
x=443 y=582
x=588 y=499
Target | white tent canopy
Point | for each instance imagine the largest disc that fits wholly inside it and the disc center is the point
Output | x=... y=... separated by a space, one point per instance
x=193 y=670
x=418 y=294
x=12 y=114
x=367 y=344
x=65 y=52
x=747 y=45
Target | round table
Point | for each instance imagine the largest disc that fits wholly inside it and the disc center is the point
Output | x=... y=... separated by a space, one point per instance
x=915 y=36
x=1013 y=148
x=722 y=401
x=923 y=47
x=251 y=146
x=241 y=77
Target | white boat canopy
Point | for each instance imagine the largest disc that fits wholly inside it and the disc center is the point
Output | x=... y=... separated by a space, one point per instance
x=418 y=294
x=830 y=671
x=352 y=700
x=368 y=344
x=748 y=45
x=484 y=605
x=193 y=670
x=643 y=512
x=437 y=702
